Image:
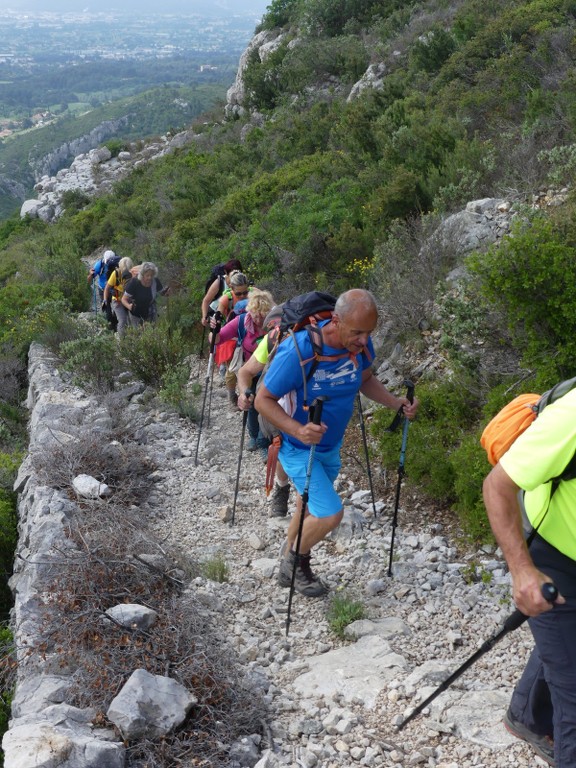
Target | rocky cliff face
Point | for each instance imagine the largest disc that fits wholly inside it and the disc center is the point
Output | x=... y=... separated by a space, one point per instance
x=51 y=163
x=93 y=172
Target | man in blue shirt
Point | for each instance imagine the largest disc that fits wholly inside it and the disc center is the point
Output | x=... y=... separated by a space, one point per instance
x=345 y=369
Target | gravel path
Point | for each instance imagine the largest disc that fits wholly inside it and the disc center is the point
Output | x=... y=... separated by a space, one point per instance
x=440 y=605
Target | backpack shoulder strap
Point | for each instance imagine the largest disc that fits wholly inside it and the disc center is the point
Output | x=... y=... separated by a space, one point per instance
x=241 y=330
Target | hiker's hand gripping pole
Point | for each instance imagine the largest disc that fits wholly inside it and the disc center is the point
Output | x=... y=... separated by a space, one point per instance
x=248 y=393
x=410 y=396
x=515 y=620
x=207 y=380
x=315 y=416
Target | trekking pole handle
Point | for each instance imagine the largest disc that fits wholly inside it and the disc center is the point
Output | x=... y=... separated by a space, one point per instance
x=216 y=330
x=397 y=420
x=516 y=619
x=315 y=412
x=410 y=389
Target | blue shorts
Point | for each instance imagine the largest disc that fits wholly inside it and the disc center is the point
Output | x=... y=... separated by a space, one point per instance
x=323 y=501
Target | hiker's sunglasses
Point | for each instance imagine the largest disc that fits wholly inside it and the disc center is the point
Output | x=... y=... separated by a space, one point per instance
x=241 y=293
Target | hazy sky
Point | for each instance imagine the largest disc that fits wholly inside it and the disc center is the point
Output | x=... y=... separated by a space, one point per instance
x=218 y=7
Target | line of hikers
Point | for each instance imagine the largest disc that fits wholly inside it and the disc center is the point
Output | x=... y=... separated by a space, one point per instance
x=333 y=361
x=330 y=356
x=126 y=293
x=245 y=321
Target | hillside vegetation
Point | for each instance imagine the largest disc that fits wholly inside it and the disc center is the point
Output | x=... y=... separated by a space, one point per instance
x=477 y=99
x=146 y=114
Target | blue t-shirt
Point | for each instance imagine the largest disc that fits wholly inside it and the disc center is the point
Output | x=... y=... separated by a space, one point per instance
x=338 y=379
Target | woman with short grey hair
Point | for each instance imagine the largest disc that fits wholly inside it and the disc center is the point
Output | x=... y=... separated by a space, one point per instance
x=140 y=293
x=117 y=281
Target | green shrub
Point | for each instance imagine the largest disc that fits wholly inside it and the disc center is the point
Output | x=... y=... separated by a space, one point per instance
x=115 y=146
x=7 y=679
x=447 y=409
x=561 y=162
x=343 y=610
x=279 y=13
x=8 y=541
x=52 y=324
x=95 y=361
x=470 y=466
x=176 y=391
x=526 y=278
x=430 y=52
x=216 y=569
x=152 y=350
x=74 y=200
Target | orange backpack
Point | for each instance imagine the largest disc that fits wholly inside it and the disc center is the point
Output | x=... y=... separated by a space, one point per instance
x=507 y=425
x=516 y=417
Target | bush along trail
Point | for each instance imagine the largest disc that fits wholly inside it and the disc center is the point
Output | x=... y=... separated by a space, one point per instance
x=356 y=662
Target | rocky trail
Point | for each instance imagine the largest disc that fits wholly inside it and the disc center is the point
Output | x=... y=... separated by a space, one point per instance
x=337 y=703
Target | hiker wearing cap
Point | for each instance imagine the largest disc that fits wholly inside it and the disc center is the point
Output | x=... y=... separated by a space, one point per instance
x=140 y=292
x=98 y=273
x=542 y=709
x=342 y=371
x=247 y=329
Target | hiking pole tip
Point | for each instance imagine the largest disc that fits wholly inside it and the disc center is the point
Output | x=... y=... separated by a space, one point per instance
x=514 y=620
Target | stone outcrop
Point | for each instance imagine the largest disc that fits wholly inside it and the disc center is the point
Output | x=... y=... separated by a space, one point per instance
x=51 y=163
x=261 y=45
x=45 y=730
x=94 y=173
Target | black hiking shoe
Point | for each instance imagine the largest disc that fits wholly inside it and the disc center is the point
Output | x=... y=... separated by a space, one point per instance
x=279 y=501
x=542 y=745
x=305 y=582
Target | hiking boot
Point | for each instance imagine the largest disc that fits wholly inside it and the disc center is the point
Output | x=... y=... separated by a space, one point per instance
x=233 y=398
x=279 y=501
x=252 y=444
x=305 y=581
x=542 y=745
x=264 y=453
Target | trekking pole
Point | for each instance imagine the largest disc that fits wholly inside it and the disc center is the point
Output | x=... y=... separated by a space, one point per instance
x=399 y=416
x=201 y=350
x=209 y=370
x=94 y=297
x=248 y=393
x=316 y=417
x=210 y=392
x=515 y=620
x=368 y=470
